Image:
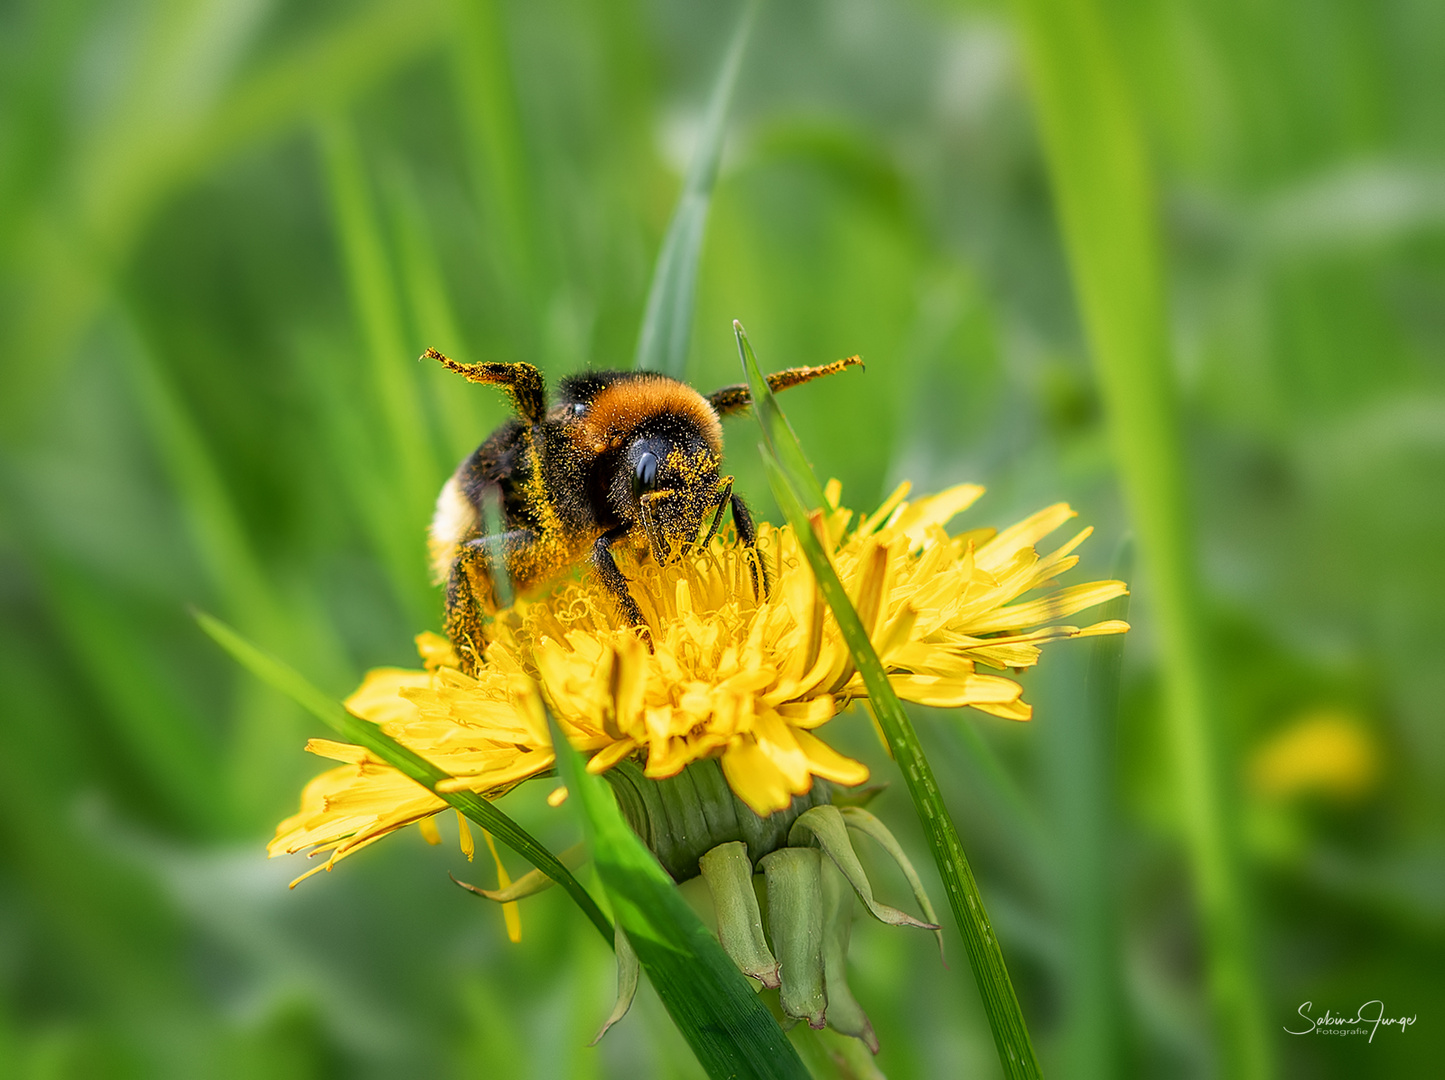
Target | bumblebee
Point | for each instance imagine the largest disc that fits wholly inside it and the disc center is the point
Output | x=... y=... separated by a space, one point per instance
x=619 y=455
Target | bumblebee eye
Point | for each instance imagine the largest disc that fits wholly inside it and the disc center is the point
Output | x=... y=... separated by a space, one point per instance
x=579 y=408
x=644 y=478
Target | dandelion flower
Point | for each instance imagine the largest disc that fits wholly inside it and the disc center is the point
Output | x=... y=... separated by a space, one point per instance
x=731 y=676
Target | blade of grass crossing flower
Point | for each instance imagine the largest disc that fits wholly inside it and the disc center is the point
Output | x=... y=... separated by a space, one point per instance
x=1011 y=1037
x=294 y=685
x=777 y=432
x=709 y=1000
x=1108 y=211
x=667 y=320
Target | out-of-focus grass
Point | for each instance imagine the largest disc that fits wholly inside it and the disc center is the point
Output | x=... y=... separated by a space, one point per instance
x=1106 y=196
x=200 y=296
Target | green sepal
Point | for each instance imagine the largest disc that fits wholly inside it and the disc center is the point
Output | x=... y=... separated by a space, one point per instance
x=795 y=917
x=844 y=1013
x=824 y=826
x=628 y=969
x=860 y=820
x=530 y=883
x=729 y=876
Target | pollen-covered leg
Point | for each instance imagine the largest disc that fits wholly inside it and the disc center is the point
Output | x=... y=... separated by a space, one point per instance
x=647 y=512
x=736 y=398
x=522 y=382
x=724 y=494
x=611 y=577
x=748 y=536
x=472 y=591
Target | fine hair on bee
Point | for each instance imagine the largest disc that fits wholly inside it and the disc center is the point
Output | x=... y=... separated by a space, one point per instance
x=618 y=455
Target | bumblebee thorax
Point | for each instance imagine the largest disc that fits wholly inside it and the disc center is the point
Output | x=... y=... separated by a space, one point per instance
x=621 y=408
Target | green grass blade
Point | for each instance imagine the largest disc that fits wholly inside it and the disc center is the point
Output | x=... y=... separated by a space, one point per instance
x=791 y=485
x=1108 y=210
x=389 y=377
x=781 y=439
x=491 y=114
x=667 y=322
x=433 y=316
x=294 y=685
x=227 y=555
x=709 y=1000
x=1081 y=742
x=1010 y=1033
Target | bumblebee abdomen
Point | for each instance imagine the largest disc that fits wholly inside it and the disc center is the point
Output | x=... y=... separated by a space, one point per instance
x=454 y=521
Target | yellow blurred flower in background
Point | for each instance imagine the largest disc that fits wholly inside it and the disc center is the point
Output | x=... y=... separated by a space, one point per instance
x=1327 y=752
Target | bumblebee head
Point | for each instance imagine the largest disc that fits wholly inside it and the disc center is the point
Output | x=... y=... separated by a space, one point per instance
x=671 y=486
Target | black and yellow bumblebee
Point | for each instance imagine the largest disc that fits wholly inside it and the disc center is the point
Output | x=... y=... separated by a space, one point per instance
x=618 y=455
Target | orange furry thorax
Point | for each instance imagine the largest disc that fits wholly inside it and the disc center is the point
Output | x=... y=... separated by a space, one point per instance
x=616 y=411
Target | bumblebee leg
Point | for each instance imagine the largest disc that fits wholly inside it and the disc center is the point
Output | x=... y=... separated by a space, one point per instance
x=472 y=592
x=606 y=569
x=748 y=534
x=522 y=382
x=724 y=492
x=661 y=550
x=736 y=398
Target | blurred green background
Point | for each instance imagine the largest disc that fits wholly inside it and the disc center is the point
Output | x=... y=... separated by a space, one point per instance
x=226 y=231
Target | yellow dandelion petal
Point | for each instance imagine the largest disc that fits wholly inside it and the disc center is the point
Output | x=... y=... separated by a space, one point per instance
x=1007 y=710
x=604 y=759
x=755 y=778
x=464 y=837
x=340 y=751
x=940 y=509
x=511 y=913
x=779 y=741
x=380 y=697
x=826 y=762
x=1025 y=534
x=1060 y=604
x=811 y=713
x=436 y=651
x=955 y=691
